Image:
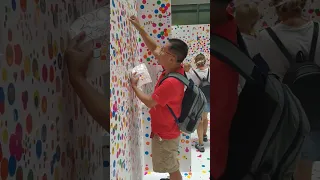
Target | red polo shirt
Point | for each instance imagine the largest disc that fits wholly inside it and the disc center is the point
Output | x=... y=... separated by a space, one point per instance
x=170 y=92
x=224 y=99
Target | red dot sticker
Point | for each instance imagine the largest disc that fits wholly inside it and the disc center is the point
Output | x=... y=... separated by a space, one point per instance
x=44 y=73
x=29 y=123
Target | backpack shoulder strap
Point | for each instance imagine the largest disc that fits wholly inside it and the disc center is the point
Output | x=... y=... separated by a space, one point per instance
x=208 y=74
x=195 y=72
x=314 y=42
x=242 y=45
x=181 y=78
x=178 y=76
x=280 y=45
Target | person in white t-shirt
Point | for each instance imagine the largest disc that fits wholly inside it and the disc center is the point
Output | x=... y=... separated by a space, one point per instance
x=247 y=15
x=196 y=75
x=295 y=32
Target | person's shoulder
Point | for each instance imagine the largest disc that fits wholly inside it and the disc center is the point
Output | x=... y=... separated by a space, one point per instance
x=174 y=82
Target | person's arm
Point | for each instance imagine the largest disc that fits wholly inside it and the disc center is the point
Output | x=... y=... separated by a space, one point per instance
x=96 y=104
x=150 y=43
x=144 y=98
x=187 y=67
x=167 y=91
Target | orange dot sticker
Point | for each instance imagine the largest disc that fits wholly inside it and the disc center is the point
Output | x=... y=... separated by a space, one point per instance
x=44 y=104
x=4 y=169
x=9 y=55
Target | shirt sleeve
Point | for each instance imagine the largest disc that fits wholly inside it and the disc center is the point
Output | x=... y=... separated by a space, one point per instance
x=168 y=90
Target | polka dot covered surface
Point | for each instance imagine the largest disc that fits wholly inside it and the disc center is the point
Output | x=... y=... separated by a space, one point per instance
x=125 y=125
x=197 y=37
x=45 y=131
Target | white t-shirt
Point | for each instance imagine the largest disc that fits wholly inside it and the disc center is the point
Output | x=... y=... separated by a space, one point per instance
x=293 y=38
x=251 y=44
x=202 y=74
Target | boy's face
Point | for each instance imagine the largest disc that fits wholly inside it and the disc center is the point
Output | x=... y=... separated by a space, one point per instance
x=166 y=58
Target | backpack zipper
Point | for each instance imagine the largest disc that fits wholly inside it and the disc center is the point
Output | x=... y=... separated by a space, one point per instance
x=195 y=103
x=274 y=134
x=203 y=103
x=291 y=147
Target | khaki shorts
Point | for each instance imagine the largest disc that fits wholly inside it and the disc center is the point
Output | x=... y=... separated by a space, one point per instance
x=165 y=155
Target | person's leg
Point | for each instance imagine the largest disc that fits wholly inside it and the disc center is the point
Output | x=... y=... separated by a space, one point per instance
x=173 y=164
x=304 y=170
x=310 y=154
x=205 y=122
x=199 y=145
x=156 y=152
x=165 y=157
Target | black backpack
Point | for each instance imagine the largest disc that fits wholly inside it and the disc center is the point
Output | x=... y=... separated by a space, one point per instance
x=192 y=107
x=204 y=85
x=269 y=126
x=303 y=77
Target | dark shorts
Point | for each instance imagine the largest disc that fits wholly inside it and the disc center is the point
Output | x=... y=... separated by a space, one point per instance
x=311 y=147
x=207 y=108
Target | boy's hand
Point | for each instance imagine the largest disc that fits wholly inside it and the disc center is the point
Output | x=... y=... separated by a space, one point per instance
x=77 y=60
x=134 y=79
x=134 y=20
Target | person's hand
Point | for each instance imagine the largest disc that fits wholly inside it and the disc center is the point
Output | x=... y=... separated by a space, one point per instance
x=134 y=79
x=187 y=67
x=134 y=20
x=77 y=60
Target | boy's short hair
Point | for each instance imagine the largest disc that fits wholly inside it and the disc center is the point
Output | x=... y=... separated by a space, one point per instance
x=178 y=48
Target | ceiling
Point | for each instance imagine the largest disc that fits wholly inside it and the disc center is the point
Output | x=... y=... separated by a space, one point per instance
x=184 y=2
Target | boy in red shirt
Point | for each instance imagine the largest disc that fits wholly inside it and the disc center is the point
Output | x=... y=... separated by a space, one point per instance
x=224 y=85
x=165 y=132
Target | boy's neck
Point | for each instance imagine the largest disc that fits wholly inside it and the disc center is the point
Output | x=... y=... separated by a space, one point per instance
x=246 y=31
x=173 y=69
x=201 y=67
x=295 y=22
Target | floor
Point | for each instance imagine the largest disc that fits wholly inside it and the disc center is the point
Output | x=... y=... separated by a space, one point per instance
x=200 y=164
